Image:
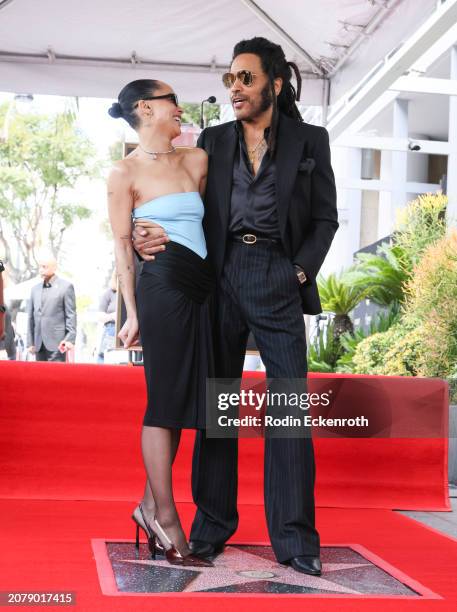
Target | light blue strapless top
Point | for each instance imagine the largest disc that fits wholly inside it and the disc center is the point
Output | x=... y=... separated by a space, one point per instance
x=180 y=215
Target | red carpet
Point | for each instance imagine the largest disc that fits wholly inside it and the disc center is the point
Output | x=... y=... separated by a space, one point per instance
x=47 y=545
x=76 y=431
x=72 y=433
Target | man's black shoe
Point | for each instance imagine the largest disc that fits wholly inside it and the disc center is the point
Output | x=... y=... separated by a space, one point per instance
x=205 y=550
x=306 y=565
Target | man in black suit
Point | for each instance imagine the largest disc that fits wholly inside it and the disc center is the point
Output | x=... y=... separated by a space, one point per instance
x=270 y=217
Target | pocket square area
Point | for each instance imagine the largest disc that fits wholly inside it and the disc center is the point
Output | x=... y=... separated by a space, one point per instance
x=306 y=165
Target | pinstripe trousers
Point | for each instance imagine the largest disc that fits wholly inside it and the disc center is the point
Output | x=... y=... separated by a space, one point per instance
x=258 y=291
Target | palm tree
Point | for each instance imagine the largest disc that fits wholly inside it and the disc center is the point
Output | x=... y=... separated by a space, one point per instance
x=383 y=276
x=340 y=297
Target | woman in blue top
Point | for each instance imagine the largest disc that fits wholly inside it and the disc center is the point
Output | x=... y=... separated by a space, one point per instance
x=169 y=303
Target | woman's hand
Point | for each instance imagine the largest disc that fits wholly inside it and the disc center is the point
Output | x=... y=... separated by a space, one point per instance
x=129 y=332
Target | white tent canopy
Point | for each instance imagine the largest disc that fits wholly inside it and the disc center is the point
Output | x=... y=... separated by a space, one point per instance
x=89 y=48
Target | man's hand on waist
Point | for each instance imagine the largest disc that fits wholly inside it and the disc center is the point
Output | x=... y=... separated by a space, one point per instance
x=149 y=238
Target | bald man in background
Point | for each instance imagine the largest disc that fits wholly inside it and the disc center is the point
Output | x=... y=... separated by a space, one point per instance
x=51 y=315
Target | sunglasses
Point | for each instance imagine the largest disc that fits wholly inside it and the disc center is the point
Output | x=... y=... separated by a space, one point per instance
x=169 y=96
x=246 y=77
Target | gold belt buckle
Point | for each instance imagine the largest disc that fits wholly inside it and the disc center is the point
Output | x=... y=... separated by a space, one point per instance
x=249 y=238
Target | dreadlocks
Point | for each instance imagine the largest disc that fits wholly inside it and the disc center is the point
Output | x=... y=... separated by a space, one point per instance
x=275 y=65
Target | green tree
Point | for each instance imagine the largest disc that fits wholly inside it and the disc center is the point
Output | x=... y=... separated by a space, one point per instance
x=116 y=151
x=192 y=113
x=40 y=165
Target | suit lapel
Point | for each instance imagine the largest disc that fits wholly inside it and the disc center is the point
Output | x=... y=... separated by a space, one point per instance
x=55 y=290
x=224 y=157
x=39 y=296
x=289 y=152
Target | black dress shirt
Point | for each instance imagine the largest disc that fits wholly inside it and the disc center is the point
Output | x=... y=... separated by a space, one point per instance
x=253 y=206
x=46 y=285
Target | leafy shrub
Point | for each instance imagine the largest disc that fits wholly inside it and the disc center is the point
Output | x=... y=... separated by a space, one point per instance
x=393 y=352
x=384 y=275
x=370 y=353
x=402 y=357
x=420 y=224
x=349 y=342
x=324 y=352
x=432 y=302
x=417 y=271
x=424 y=341
x=381 y=277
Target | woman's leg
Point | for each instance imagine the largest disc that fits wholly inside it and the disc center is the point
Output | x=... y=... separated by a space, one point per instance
x=159 y=447
x=148 y=499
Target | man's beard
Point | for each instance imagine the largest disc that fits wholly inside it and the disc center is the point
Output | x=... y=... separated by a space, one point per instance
x=266 y=100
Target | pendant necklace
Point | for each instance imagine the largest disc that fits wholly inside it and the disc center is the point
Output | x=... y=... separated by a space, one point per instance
x=251 y=152
x=154 y=154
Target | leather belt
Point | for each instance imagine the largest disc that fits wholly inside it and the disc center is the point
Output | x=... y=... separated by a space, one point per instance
x=252 y=239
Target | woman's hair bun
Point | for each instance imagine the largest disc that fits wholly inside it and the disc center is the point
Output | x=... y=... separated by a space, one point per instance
x=115 y=110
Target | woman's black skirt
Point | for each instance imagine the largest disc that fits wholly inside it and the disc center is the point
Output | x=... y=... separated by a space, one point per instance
x=172 y=295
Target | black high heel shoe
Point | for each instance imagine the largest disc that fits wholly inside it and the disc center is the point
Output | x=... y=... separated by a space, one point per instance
x=155 y=547
x=156 y=534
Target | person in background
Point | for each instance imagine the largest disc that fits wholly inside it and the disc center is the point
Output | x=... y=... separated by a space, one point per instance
x=2 y=304
x=8 y=342
x=51 y=314
x=7 y=334
x=108 y=304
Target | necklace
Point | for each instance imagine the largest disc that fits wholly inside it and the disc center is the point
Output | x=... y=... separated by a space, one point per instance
x=251 y=152
x=155 y=153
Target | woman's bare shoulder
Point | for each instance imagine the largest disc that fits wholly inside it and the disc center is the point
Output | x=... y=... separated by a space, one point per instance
x=126 y=165
x=195 y=154
x=121 y=172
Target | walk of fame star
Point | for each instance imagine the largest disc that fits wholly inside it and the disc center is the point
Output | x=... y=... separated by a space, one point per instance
x=251 y=569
